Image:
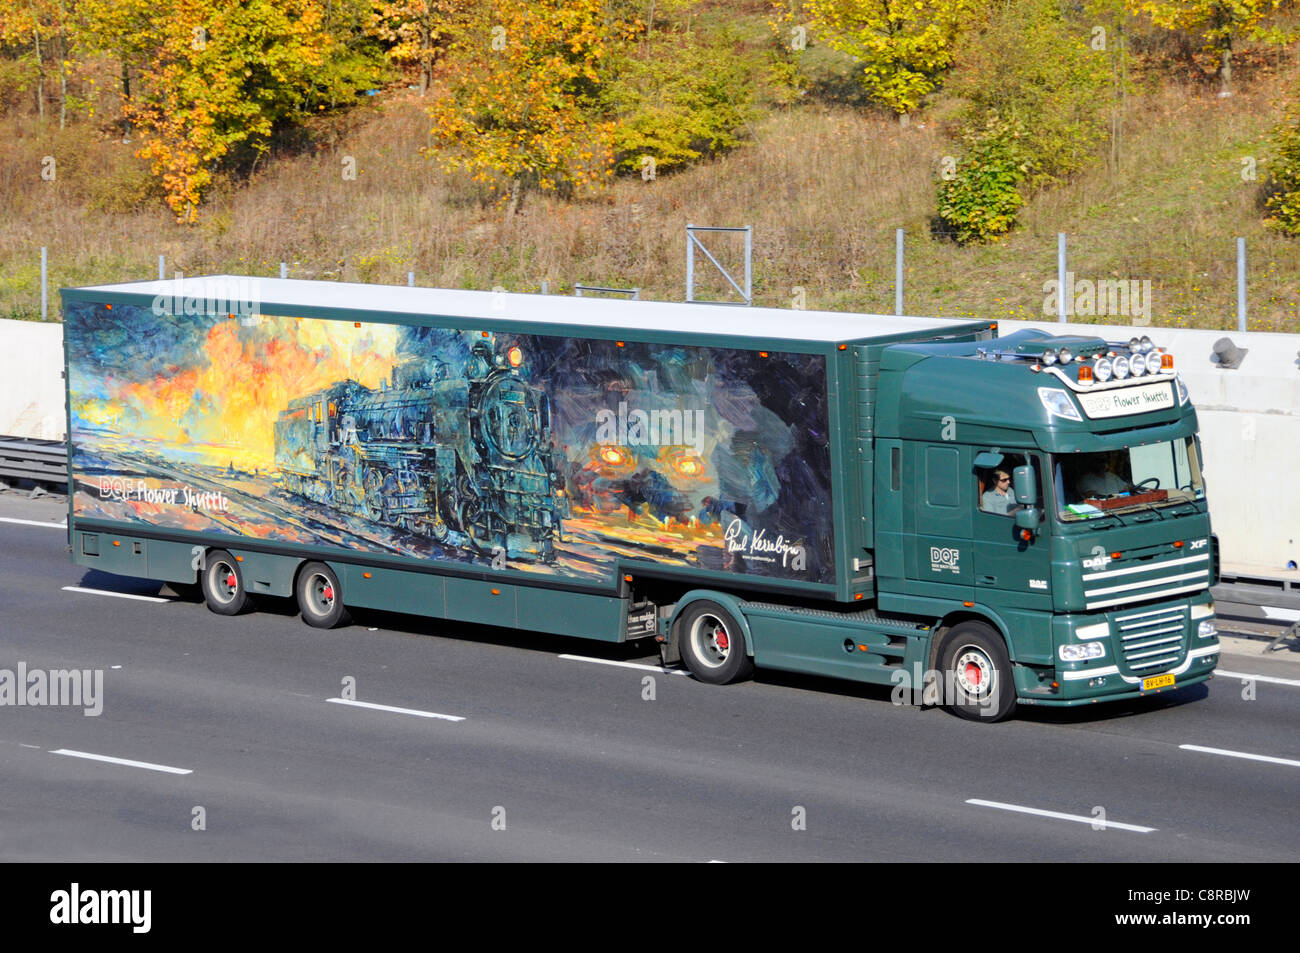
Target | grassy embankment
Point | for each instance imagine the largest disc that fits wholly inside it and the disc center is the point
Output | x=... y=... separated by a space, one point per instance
x=823 y=186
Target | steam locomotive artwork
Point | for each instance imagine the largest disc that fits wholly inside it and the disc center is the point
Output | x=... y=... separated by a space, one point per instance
x=460 y=454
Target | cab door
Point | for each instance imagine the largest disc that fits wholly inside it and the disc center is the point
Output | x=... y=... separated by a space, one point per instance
x=940 y=557
x=1019 y=570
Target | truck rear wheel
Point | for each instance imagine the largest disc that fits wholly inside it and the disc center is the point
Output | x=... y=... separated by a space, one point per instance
x=320 y=597
x=977 y=681
x=712 y=644
x=223 y=584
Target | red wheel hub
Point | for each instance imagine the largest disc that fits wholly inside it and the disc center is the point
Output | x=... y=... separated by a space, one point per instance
x=720 y=636
x=973 y=673
x=231 y=581
x=328 y=592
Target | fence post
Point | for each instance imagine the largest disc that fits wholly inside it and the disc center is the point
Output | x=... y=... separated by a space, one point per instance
x=1060 y=277
x=898 y=271
x=1241 y=284
x=162 y=267
x=284 y=270
x=45 y=291
x=410 y=279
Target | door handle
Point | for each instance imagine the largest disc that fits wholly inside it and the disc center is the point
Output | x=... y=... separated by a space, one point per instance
x=988 y=580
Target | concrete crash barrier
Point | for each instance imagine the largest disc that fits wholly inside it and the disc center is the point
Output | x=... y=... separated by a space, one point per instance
x=1246 y=389
x=31 y=367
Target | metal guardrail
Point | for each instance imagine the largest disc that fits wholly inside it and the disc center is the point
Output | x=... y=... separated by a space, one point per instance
x=43 y=460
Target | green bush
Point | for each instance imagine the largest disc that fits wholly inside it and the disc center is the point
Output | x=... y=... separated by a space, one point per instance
x=980 y=201
x=1283 y=189
x=1032 y=66
x=678 y=101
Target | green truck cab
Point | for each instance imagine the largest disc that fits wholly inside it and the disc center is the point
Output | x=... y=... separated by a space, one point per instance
x=1048 y=511
x=974 y=521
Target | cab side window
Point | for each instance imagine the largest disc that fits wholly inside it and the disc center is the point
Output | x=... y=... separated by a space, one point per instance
x=994 y=492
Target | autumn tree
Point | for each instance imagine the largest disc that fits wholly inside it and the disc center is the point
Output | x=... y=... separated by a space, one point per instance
x=1222 y=24
x=216 y=77
x=523 y=108
x=902 y=46
x=416 y=31
x=43 y=27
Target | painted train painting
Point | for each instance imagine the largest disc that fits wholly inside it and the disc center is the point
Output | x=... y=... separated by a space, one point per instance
x=539 y=453
x=439 y=450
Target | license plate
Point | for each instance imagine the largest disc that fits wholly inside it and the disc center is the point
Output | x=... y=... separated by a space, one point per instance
x=1157 y=681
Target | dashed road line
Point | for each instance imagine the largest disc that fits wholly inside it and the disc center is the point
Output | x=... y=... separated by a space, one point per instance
x=1057 y=815
x=167 y=769
x=1242 y=754
x=396 y=710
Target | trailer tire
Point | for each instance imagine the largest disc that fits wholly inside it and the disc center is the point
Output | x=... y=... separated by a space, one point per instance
x=977 y=682
x=320 y=597
x=712 y=644
x=223 y=584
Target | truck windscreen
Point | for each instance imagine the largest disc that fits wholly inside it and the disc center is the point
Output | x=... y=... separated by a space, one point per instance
x=1095 y=484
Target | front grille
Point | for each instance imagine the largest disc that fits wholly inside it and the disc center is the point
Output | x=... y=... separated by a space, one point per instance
x=1130 y=581
x=1153 y=640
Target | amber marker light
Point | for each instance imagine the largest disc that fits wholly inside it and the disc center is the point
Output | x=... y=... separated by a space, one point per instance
x=968 y=605
x=496 y=592
x=857 y=595
x=1178 y=544
x=1115 y=555
x=844 y=347
x=108 y=307
x=627 y=578
x=620 y=344
x=515 y=355
x=365 y=575
x=762 y=353
x=239 y=559
x=117 y=542
x=1026 y=535
x=1085 y=374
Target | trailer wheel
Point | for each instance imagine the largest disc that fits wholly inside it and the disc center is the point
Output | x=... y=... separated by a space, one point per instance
x=223 y=584
x=320 y=597
x=977 y=681
x=712 y=644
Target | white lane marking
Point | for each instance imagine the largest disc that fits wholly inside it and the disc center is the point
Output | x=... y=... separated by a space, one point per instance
x=1242 y=754
x=124 y=761
x=637 y=665
x=8 y=519
x=1039 y=812
x=37 y=747
x=118 y=595
x=400 y=711
x=1271 y=679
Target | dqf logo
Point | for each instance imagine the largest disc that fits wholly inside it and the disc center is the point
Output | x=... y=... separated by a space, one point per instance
x=945 y=559
x=77 y=906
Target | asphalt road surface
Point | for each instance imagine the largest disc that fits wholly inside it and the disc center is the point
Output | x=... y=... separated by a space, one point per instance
x=231 y=744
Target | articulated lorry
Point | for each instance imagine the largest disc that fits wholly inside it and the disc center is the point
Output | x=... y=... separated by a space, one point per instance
x=977 y=521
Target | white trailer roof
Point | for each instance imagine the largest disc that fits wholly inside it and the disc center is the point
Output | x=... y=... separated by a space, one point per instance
x=286 y=294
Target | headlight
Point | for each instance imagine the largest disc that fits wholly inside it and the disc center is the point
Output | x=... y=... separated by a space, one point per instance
x=1048 y=358
x=1153 y=362
x=1183 y=396
x=1066 y=355
x=1145 y=344
x=1121 y=368
x=1057 y=403
x=1081 y=653
x=1137 y=365
x=1102 y=370
x=1206 y=629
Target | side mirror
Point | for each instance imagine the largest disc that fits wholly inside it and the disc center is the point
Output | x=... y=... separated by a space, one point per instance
x=1022 y=478
x=1028 y=518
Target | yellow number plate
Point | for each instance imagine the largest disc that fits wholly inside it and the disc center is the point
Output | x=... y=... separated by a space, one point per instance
x=1157 y=681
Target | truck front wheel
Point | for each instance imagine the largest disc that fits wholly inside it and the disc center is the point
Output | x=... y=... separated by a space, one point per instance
x=712 y=644
x=320 y=597
x=223 y=584
x=977 y=681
